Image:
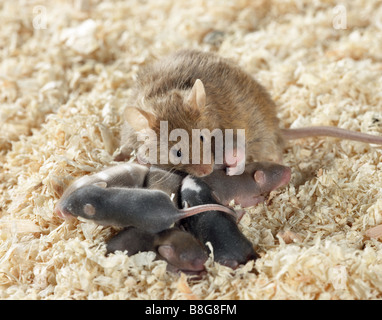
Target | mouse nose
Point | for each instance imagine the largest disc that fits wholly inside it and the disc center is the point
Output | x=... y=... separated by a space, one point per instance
x=233 y=264
x=62 y=213
x=252 y=256
x=198 y=265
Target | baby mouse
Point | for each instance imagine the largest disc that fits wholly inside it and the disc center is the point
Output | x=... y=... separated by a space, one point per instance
x=190 y=90
x=179 y=248
x=230 y=247
x=131 y=175
x=150 y=210
x=249 y=188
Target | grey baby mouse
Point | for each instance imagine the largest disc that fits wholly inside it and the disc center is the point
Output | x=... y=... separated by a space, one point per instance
x=230 y=246
x=150 y=210
x=179 y=248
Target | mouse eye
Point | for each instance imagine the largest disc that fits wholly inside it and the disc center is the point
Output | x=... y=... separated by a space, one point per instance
x=178 y=155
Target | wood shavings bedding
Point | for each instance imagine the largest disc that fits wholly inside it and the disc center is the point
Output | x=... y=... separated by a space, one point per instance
x=62 y=92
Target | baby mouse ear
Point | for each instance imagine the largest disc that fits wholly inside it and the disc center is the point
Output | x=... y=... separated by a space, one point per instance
x=139 y=119
x=197 y=97
x=167 y=252
x=89 y=209
x=101 y=184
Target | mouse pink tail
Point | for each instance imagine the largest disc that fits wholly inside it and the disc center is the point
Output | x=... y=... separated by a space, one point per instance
x=188 y=212
x=291 y=134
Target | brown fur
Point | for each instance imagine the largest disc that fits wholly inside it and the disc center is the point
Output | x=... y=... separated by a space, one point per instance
x=234 y=100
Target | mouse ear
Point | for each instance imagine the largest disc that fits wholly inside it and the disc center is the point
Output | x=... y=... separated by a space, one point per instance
x=139 y=119
x=197 y=96
x=101 y=184
x=166 y=251
x=89 y=209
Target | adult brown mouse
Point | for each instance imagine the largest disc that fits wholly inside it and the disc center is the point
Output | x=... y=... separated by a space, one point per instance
x=190 y=90
x=150 y=210
x=230 y=247
x=179 y=248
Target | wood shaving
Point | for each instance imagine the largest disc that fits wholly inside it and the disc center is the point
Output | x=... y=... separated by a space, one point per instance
x=289 y=236
x=184 y=288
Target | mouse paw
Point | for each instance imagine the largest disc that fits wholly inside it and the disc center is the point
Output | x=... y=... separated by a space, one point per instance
x=235 y=161
x=251 y=201
x=236 y=170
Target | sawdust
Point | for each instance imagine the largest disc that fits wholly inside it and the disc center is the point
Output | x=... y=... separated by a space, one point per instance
x=66 y=70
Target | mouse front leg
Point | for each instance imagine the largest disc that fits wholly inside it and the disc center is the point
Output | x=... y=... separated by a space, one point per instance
x=234 y=152
x=247 y=202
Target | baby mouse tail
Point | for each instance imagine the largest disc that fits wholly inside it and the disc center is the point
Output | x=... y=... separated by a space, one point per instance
x=188 y=212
